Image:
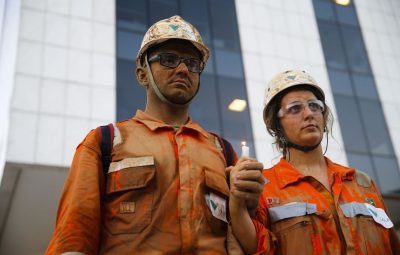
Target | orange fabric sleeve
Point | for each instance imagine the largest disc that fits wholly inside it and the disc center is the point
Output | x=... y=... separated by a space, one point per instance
x=78 y=218
x=267 y=242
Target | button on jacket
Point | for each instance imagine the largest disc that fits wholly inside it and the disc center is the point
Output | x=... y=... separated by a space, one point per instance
x=154 y=199
x=302 y=217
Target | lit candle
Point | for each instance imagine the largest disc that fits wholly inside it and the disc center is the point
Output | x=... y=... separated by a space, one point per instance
x=245 y=149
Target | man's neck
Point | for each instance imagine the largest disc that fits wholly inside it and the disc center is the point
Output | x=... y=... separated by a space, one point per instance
x=174 y=116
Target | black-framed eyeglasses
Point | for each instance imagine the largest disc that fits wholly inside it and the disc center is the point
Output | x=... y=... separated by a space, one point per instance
x=172 y=60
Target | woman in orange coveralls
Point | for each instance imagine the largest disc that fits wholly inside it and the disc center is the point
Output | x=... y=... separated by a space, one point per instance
x=310 y=205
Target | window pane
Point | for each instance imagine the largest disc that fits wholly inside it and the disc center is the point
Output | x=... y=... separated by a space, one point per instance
x=224 y=25
x=363 y=163
x=132 y=15
x=128 y=45
x=375 y=126
x=235 y=124
x=355 y=51
x=229 y=64
x=346 y=15
x=350 y=124
x=196 y=13
x=324 y=10
x=331 y=43
x=340 y=82
x=365 y=86
x=209 y=68
x=162 y=9
x=130 y=95
x=388 y=174
x=204 y=108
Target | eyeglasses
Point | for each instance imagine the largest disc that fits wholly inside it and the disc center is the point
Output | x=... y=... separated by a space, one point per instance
x=297 y=107
x=172 y=60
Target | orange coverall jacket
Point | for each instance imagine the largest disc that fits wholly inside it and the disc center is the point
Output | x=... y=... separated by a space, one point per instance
x=155 y=199
x=297 y=215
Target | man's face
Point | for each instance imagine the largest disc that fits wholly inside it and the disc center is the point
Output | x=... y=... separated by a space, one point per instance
x=178 y=85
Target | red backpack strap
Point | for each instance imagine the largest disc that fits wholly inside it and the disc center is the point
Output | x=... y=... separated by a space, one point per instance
x=107 y=139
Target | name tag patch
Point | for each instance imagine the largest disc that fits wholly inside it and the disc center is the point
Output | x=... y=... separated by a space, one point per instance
x=379 y=216
x=127 y=207
x=131 y=162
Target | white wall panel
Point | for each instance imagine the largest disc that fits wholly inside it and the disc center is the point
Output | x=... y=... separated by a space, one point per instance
x=65 y=72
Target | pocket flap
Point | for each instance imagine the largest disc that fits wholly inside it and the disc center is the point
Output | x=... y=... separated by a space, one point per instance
x=216 y=182
x=354 y=208
x=290 y=210
x=131 y=176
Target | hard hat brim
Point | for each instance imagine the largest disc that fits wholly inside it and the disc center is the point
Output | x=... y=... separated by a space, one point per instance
x=203 y=50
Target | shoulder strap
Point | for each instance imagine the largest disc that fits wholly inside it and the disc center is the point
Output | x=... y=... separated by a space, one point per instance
x=107 y=138
x=227 y=149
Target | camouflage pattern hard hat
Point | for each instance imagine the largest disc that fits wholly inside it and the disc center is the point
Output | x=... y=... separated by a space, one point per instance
x=285 y=80
x=172 y=28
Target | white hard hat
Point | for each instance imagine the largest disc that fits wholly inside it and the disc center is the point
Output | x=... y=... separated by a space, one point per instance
x=285 y=80
x=172 y=28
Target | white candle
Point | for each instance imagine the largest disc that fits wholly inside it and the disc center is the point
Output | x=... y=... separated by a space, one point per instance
x=245 y=150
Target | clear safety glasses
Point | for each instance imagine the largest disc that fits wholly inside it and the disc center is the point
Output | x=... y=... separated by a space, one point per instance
x=297 y=107
x=172 y=60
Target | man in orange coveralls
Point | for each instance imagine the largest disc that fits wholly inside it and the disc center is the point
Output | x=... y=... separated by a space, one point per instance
x=166 y=190
x=310 y=205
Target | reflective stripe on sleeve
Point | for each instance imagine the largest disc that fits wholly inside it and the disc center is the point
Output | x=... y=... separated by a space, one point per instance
x=291 y=210
x=354 y=208
x=72 y=253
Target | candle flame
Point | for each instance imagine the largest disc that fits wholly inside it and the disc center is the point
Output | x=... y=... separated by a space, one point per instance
x=244 y=143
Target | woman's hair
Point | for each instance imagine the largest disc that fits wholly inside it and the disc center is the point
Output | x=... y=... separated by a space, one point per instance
x=272 y=121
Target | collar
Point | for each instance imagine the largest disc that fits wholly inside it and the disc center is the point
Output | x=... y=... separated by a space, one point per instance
x=286 y=174
x=153 y=123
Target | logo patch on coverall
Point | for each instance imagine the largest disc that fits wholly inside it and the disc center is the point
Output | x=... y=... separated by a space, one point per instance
x=272 y=200
x=379 y=216
x=218 y=207
x=370 y=201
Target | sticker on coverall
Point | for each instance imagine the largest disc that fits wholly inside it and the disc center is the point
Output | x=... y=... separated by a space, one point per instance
x=217 y=206
x=379 y=216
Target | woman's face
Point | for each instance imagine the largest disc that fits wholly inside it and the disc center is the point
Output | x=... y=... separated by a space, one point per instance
x=301 y=117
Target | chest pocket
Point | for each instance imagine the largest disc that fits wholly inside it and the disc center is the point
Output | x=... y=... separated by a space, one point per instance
x=129 y=195
x=217 y=184
x=368 y=230
x=292 y=224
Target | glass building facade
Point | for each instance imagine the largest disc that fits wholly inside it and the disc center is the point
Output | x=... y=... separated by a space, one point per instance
x=362 y=122
x=71 y=67
x=222 y=80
